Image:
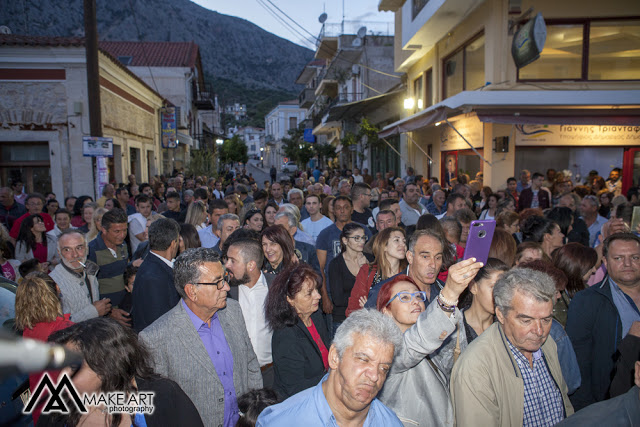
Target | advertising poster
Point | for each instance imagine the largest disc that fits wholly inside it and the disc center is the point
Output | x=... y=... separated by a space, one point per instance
x=169 y=128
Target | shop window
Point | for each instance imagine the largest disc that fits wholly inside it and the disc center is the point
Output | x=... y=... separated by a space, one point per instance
x=614 y=50
x=428 y=84
x=417 y=6
x=417 y=93
x=28 y=162
x=588 y=50
x=464 y=69
x=561 y=57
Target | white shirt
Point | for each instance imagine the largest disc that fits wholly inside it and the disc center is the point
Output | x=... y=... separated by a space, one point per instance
x=137 y=225
x=166 y=261
x=357 y=179
x=252 y=302
x=315 y=227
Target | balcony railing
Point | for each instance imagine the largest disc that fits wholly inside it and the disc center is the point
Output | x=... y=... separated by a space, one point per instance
x=306 y=97
x=203 y=96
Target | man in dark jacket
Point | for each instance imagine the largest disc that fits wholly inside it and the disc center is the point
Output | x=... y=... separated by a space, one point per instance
x=153 y=291
x=601 y=316
x=534 y=196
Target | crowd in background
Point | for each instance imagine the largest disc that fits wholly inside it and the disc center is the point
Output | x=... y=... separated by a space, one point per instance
x=335 y=295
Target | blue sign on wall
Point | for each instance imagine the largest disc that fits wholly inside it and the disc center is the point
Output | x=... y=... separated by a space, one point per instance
x=309 y=136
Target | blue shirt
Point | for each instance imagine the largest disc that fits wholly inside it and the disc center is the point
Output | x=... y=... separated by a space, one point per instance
x=207 y=238
x=310 y=408
x=220 y=354
x=543 y=405
x=627 y=309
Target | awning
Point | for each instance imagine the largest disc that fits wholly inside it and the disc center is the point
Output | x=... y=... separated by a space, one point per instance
x=185 y=139
x=591 y=107
x=357 y=108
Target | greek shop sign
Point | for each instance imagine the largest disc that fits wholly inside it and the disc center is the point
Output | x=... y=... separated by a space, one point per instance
x=579 y=135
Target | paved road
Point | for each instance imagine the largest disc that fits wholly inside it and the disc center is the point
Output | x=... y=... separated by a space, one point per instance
x=262 y=174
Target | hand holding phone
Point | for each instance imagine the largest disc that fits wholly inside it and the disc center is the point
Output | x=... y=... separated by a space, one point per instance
x=479 y=240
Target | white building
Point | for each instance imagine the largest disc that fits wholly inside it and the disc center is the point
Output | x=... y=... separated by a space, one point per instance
x=286 y=115
x=44 y=110
x=174 y=69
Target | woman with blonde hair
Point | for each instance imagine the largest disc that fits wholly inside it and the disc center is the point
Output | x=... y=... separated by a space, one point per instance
x=38 y=315
x=96 y=223
x=390 y=253
x=197 y=214
x=234 y=203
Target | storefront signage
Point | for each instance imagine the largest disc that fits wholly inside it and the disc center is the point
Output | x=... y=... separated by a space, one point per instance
x=94 y=146
x=169 y=128
x=579 y=135
x=469 y=127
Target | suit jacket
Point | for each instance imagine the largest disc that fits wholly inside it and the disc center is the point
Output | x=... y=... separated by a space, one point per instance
x=526 y=197
x=595 y=330
x=296 y=357
x=180 y=355
x=153 y=292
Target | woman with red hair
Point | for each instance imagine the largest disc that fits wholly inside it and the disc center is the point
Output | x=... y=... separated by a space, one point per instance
x=432 y=336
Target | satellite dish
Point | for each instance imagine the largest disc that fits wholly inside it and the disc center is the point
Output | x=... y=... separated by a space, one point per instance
x=355 y=69
x=322 y=18
x=362 y=32
x=4 y=29
x=357 y=42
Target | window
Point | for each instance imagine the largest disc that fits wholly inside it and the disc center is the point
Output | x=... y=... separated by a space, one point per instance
x=253 y=147
x=428 y=83
x=588 y=50
x=417 y=6
x=418 y=94
x=293 y=122
x=464 y=69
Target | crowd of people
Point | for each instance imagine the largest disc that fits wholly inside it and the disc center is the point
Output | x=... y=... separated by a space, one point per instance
x=337 y=298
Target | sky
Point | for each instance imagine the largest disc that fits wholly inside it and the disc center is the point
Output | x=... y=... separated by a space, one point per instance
x=305 y=13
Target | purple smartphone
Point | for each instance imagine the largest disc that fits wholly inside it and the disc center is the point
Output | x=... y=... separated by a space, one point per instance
x=479 y=240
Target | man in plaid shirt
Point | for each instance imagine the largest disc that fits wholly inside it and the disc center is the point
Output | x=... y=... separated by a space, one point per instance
x=510 y=375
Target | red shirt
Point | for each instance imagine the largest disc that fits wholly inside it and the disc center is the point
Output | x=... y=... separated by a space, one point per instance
x=41 y=332
x=323 y=349
x=48 y=223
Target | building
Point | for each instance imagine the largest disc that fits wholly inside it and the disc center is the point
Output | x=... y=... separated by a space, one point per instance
x=286 y=115
x=174 y=69
x=44 y=115
x=469 y=108
x=353 y=63
x=237 y=111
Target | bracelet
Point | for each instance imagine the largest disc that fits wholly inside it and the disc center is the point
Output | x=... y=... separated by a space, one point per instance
x=446 y=301
x=445 y=307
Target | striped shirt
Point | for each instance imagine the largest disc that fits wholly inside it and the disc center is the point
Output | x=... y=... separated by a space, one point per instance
x=543 y=405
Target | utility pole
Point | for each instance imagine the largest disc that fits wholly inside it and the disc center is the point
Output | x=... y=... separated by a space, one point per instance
x=93 y=70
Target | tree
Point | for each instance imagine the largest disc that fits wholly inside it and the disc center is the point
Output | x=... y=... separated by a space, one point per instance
x=233 y=150
x=324 y=153
x=202 y=162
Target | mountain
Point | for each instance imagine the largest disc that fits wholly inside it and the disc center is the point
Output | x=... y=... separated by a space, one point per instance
x=232 y=49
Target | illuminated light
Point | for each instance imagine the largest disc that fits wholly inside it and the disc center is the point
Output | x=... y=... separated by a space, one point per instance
x=420 y=104
x=219 y=141
x=438 y=123
x=409 y=103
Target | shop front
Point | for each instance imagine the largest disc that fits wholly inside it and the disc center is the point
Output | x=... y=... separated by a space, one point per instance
x=501 y=133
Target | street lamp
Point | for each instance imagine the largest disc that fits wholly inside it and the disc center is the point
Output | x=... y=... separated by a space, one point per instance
x=219 y=141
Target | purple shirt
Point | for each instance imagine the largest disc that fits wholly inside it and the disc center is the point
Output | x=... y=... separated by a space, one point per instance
x=220 y=354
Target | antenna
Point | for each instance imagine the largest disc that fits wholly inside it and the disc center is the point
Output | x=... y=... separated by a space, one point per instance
x=357 y=42
x=362 y=31
x=322 y=18
x=4 y=29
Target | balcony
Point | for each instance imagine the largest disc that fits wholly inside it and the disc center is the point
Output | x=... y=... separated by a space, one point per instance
x=306 y=98
x=203 y=96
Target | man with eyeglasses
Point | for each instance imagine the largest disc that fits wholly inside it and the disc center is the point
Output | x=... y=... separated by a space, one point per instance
x=202 y=343
x=361 y=198
x=78 y=284
x=153 y=291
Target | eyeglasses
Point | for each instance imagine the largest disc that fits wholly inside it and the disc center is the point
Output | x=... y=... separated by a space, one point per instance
x=358 y=239
x=407 y=297
x=219 y=284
